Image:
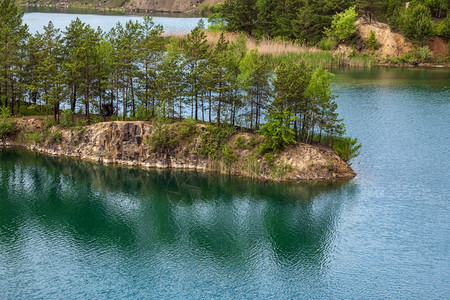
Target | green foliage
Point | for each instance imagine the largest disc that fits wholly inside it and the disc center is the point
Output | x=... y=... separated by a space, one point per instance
x=213 y=139
x=239 y=143
x=67 y=118
x=7 y=123
x=372 y=42
x=269 y=158
x=239 y=15
x=347 y=148
x=216 y=23
x=142 y=113
x=228 y=155
x=81 y=122
x=278 y=131
x=425 y=54
x=187 y=129
x=252 y=143
x=321 y=110
x=416 y=21
x=438 y=8
x=34 y=137
x=56 y=137
x=96 y=119
x=327 y=43
x=49 y=123
x=208 y=9
x=252 y=167
x=343 y=25
x=254 y=78
x=443 y=28
x=280 y=170
x=13 y=36
x=162 y=138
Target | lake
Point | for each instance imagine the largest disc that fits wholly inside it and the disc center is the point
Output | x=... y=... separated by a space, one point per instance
x=71 y=229
x=36 y=18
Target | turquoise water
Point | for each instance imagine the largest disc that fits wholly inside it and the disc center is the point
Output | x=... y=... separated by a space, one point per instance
x=70 y=229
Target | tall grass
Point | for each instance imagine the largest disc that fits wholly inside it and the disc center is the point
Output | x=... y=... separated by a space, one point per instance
x=278 y=51
x=264 y=46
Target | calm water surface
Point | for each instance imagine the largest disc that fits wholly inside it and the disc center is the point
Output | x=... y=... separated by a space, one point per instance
x=37 y=18
x=70 y=229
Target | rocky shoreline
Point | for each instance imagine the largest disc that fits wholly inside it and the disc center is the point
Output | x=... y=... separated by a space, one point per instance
x=124 y=143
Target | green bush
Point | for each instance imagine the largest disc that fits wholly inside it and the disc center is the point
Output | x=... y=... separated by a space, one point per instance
x=425 y=54
x=28 y=110
x=443 y=28
x=343 y=25
x=56 y=137
x=239 y=143
x=161 y=139
x=269 y=158
x=142 y=114
x=96 y=119
x=347 y=148
x=49 y=123
x=81 y=122
x=216 y=23
x=277 y=131
x=66 y=118
x=228 y=155
x=252 y=142
x=213 y=138
x=187 y=129
x=416 y=22
x=372 y=42
x=35 y=137
x=7 y=123
x=327 y=43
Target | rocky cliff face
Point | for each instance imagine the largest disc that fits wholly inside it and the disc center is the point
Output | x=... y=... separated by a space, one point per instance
x=125 y=143
x=391 y=43
x=167 y=5
x=176 y=6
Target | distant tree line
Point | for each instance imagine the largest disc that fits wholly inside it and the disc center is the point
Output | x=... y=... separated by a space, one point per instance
x=307 y=21
x=132 y=72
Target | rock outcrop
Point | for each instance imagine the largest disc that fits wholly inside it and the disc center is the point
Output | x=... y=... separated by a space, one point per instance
x=171 y=6
x=391 y=43
x=125 y=143
x=167 y=5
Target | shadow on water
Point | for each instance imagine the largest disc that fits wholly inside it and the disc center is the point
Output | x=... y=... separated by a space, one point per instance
x=143 y=211
x=405 y=78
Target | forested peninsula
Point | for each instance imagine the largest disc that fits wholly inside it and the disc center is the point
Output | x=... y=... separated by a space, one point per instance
x=221 y=104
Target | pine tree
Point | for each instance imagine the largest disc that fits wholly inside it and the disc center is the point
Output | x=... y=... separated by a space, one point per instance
x=50 y=77
x=150 y=54
x=321 y=108
x=125 y=41
x=240 y=15
x=170 y=82
x=13 y=35
x=254 y=78
x=289 y=86
x=219 y=75
x=195 y=49
x=32 y=60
